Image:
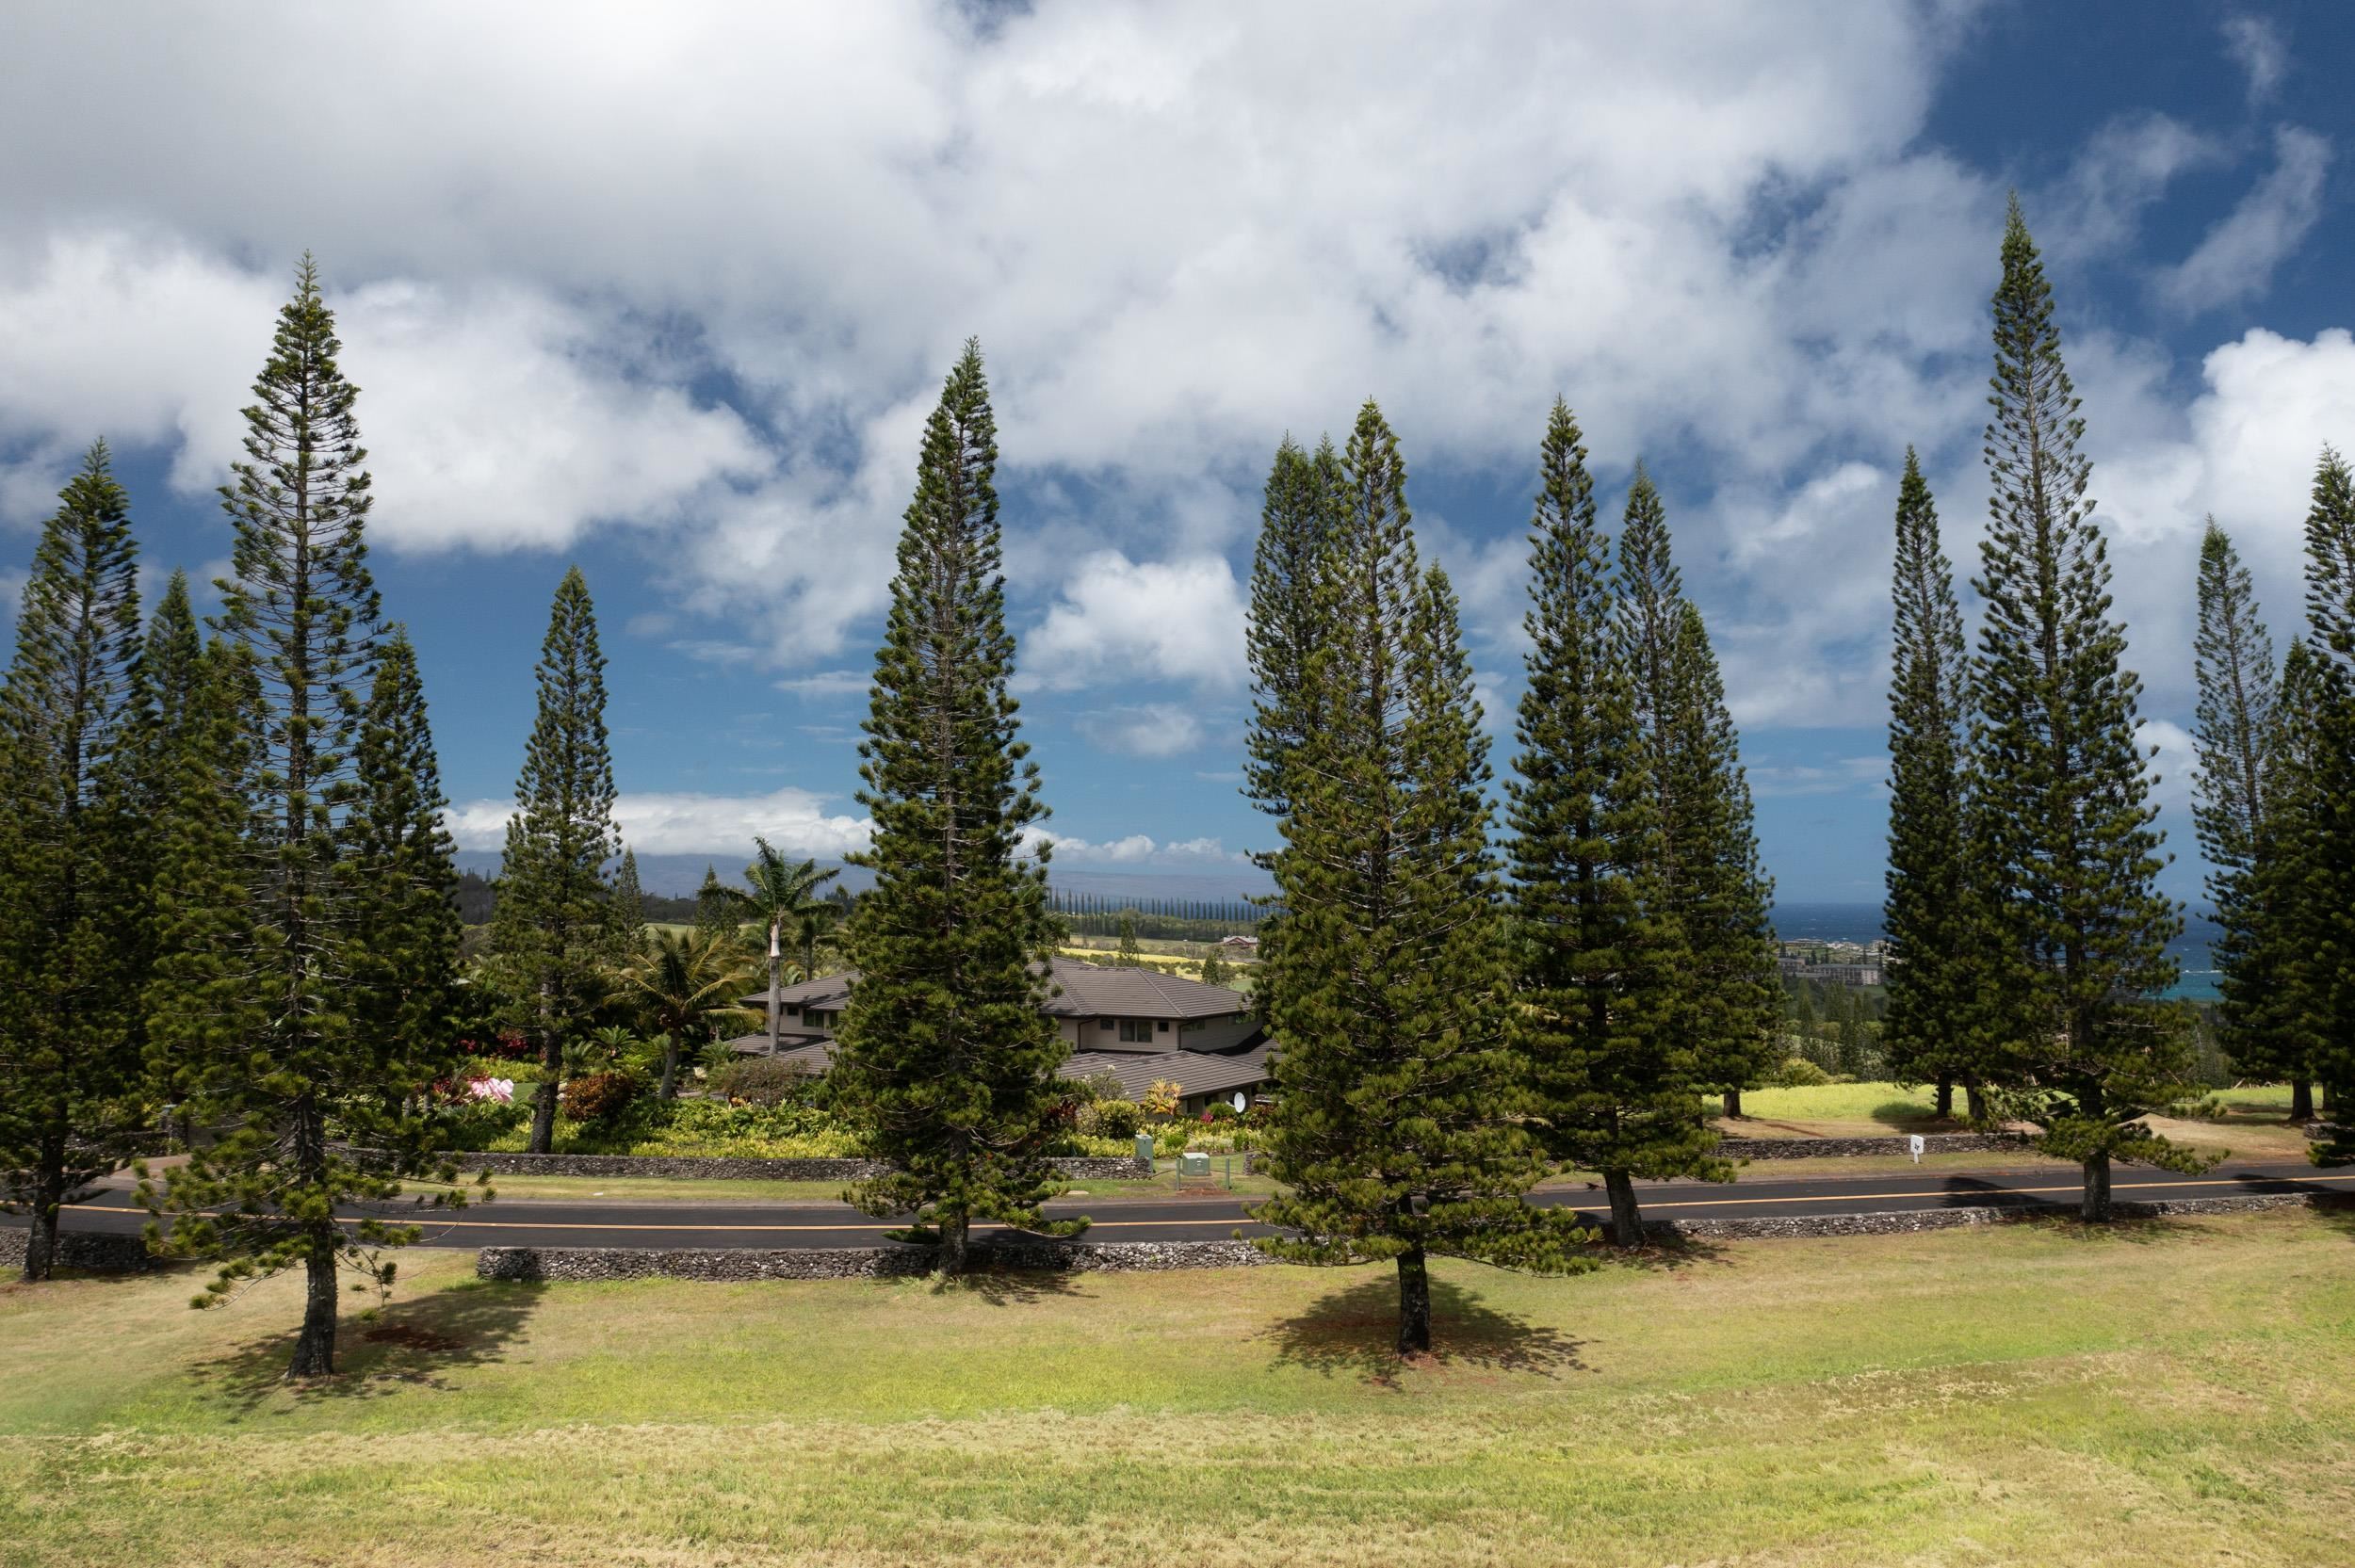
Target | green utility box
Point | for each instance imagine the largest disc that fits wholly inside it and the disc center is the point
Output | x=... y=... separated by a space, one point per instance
x=1193 y=1166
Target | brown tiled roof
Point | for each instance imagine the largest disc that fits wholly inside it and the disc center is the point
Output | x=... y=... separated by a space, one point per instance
x=1193 y=1072
x=1083 y=991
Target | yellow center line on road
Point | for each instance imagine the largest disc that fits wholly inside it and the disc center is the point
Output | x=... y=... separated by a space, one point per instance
x=1231 y=1219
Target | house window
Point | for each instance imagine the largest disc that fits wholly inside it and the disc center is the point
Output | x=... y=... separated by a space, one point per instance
x=1138 y=1030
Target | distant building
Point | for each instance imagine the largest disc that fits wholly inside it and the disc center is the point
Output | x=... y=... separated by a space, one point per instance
x=1138 y=1026
x=1241 y=944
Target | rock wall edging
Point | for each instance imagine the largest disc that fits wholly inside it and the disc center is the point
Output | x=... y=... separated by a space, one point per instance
x=733 y=1167
x=98 y=1251
x=849 y=1263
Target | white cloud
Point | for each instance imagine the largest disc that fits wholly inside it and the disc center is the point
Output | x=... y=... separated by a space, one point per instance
x=1143 y=730
x=2236 y=258
x=1834 y=775
x=1119 y=620
x=1176 y=235
x=1138 y=849
x=794 y=821
x=2256 y=45
x=496 y=418
x=2127 y=167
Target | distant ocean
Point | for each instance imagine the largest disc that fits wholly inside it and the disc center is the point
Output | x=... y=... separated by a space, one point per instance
x=1861 y=923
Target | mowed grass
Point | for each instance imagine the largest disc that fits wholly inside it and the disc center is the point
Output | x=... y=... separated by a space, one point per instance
x=2176 y=1393
x=2252 y=1126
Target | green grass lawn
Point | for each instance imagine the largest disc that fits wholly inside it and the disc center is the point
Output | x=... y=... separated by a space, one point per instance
x=2252 y=1126
x=2178 y=1393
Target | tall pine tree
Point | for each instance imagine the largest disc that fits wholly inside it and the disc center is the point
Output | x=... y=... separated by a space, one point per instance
x=943 y=1050
x=1614 y=1080
x=628 y=896
x=556 y=927
x=298 y=1082
x=1930 y=1031
x=2077 y=928
x=1397 y=1132
x=2326 y=881
x=2236 y=739
x=73 y=857
x=1296 y=526
x=407 y=970
x=1706 y=870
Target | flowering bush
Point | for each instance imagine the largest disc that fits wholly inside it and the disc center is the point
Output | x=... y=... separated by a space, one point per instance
x=597 y=1097
x=1160 y=1100
x=499 y=1090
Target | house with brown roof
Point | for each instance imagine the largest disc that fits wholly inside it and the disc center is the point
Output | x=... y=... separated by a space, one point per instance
x=1138 y=1026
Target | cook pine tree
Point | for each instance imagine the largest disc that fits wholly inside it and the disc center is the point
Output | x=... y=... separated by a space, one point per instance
x=1614 y=1083
x=628 y=896
x=1706 y=869
x=2077 y=930
x=1929 y=1032
x=2237 y=738
x=1297 y=520
x=1397 y=1128
x=262 y=977
x=557 y=927
x=407 y=970
x=2325 y=879
x=943 y=1051
x=73 y=852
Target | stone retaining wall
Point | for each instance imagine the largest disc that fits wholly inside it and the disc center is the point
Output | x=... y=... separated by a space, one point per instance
x=1932 y=1143
x=715 y=1168
x=98 y=1253
x=850 y=1263
x=1903 y=1221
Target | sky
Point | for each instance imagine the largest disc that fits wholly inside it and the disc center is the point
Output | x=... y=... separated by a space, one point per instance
x=667 y=292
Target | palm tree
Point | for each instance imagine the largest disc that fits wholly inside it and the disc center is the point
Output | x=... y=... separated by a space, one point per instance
x=785 y=896
x=682 y=984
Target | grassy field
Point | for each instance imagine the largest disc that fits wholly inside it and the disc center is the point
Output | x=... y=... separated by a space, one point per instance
x=2251 y=1128
x=2179 y=1393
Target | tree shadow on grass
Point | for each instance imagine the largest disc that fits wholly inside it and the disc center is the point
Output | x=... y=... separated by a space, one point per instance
x=1662 y=1253
x=407 y=1345
x=1354 y=1331
x=999 y=1286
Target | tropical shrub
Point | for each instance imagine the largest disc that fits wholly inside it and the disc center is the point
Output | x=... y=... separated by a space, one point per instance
x=1112 y=1119
x=597 y=1097
x=1160 y=1100
x=763 y=1081
x=1797 y=1072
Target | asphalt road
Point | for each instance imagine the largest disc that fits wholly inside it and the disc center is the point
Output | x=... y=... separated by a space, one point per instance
x=719 y=1223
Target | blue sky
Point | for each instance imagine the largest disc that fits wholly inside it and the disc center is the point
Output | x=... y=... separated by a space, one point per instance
x=666 y=291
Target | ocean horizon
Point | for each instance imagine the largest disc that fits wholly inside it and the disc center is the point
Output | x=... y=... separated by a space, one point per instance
x=1861 y=923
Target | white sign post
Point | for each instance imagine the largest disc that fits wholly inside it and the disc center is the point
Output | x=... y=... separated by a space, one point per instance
x=1915 y=1143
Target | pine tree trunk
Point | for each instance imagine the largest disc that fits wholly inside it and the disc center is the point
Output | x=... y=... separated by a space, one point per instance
x=314 y=1349
x=1414 y=1304
x=1627 y=1221
x=2096 y=1208
x=41 y=1246
x=2301 y=1100
x=1734 y=1105
x=956 y=1237
x=1974 y=1096
x=551 y=1075
x=776 y=978
x=1945 y=1098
